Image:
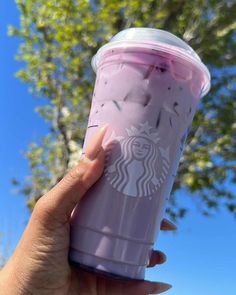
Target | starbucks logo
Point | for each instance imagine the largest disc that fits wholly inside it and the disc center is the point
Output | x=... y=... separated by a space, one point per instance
x=136 y=165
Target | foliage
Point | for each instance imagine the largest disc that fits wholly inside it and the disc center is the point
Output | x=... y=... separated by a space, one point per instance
x=59 y=37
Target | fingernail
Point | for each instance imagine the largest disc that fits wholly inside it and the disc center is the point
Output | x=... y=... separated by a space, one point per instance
x=103 y=130
x=104 y=127
x=162 y=257
x=95 y=144
x=160 y=287
x=171 y=224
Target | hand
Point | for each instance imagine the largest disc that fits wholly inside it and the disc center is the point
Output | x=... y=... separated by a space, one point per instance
x=40 y=265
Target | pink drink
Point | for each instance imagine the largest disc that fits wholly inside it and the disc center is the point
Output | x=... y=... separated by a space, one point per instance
x=148 y=96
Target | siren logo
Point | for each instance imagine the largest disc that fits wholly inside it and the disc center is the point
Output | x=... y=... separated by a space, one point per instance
x=136 y=165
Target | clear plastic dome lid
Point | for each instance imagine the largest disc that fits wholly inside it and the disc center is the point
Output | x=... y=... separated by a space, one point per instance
x=157 y=39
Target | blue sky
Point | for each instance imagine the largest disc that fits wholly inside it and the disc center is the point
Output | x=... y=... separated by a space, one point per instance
x=201 y=255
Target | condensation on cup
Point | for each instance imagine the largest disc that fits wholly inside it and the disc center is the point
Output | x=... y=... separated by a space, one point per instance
x=148 y=86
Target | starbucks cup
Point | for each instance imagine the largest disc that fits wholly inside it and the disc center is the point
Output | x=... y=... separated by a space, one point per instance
x=147 y=89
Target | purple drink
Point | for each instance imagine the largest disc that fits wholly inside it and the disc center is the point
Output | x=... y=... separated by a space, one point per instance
x=147 y=89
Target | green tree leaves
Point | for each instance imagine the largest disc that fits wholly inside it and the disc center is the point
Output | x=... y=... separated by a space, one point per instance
x=59 y=39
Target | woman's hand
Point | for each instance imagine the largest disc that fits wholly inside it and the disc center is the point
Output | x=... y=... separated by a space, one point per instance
x=40 y=264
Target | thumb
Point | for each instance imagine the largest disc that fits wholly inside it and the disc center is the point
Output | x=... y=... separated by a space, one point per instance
x=60 y=201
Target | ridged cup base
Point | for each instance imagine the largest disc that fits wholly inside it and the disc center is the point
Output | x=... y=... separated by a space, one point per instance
x=105 y=268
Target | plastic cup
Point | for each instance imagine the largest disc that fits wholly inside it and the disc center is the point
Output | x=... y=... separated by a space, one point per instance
x=147 y=89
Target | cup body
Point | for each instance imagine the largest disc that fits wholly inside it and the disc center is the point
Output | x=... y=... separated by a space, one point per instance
x=148 y=98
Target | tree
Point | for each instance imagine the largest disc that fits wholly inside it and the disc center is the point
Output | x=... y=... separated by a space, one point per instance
x=59 y=38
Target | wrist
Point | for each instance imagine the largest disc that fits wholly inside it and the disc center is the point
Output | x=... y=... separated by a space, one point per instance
x=10 y=283
x=5 y=285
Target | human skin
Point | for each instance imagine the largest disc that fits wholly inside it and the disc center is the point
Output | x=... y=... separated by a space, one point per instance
x=39 y=265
